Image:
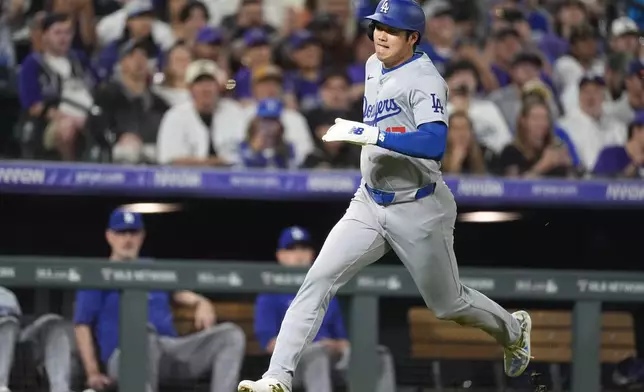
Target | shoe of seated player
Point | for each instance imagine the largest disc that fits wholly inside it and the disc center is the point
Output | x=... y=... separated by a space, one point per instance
x=517 y=356
x=264 y=385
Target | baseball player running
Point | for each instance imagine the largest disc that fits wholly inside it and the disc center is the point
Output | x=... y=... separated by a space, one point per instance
x=402 y=204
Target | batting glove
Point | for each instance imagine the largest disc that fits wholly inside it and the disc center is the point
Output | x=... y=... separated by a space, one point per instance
x=351 y=132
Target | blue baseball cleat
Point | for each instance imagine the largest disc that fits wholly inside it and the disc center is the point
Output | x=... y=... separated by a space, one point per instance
x=517 y=356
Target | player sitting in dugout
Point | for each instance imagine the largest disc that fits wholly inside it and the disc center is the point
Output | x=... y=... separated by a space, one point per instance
x=217 y=349
x=330 y=350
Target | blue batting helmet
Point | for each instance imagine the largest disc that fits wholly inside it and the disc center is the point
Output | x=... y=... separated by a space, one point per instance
x=400 y=14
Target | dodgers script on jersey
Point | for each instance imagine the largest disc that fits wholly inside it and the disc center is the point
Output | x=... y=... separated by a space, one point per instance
x=400 y=100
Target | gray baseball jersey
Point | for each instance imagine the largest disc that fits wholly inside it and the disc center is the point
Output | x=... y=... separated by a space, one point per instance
x=419 y=230
x=400 y=100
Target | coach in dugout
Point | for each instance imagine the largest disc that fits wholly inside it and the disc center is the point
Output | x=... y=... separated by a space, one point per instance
x=330 y=350
x=217 y=350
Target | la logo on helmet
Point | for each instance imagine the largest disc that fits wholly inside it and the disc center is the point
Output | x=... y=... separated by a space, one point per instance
x=384 y=8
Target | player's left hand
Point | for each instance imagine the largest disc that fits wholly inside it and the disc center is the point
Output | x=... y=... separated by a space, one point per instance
x=351 y=132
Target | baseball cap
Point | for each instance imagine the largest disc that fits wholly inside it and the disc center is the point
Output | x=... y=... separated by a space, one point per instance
x=623 y=26
x=137 y=8
x=292 y=236
x=300 y=39
x=255 y=37
x=210 y=36
x=590 y=78
x=130 y=46
x=267 y=72
x=122 y=220
x=527 y=57
x=440 y=10
x=200 y=69
x=270 y=108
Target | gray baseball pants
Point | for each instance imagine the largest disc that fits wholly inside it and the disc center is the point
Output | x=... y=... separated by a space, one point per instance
x=317 y=364
x=218 y=351
x=421 y=232
x=50 y=343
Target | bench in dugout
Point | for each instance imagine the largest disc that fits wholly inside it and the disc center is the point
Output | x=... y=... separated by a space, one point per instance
x=460 y=356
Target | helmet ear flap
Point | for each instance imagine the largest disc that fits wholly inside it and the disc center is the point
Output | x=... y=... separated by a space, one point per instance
x=370 y=28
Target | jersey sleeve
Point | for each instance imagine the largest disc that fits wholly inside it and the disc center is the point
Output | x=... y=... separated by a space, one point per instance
x=428 y=100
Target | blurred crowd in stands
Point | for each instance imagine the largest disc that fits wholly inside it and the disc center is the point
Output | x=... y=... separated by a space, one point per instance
x=537 y=87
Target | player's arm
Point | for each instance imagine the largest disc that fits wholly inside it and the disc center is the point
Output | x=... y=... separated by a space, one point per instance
x=429 y=142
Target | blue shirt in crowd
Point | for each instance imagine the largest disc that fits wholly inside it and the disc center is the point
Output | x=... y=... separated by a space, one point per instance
x=271 y=308
x=612 y=161
x=100 y=310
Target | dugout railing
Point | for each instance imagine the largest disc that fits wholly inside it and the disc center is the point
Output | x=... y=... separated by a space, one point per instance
x=587 y=290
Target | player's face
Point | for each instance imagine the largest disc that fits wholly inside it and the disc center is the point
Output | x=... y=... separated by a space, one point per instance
x=125 y=244
x=393 y=46
x=297 y=256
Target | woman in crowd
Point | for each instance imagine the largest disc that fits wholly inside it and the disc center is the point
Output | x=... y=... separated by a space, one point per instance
x=463 y=154
x=173 y=87
x=535 y=151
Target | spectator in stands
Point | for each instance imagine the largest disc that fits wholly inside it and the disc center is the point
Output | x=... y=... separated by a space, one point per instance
x=582 y=59
x=250 y=16
x=330 y=34
x=112 y=27
x=208 y=46
x=513 y=18
x=624 y=161
x=267 y=82
x=525 y=71
x=506 y=45
x=362 y=49
x=81 y=14
x=589 y=127
x=193 y=17
x=47 y=337
x=615 y=74
x=54 y=89
x=625 y=37
x=334 y=94
x=206 y=130
x=306 y=53
x=632 y=100
x=331 y=155
x=330 y=350
x=535 y=151
x=217 y=350
x=439 y=41
x=173 y=88
x=138 y=27
x=130 y=111
x=490 y=128
x=463 y=155
x=256 y=53
x=11 y=12
x=265 y=146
